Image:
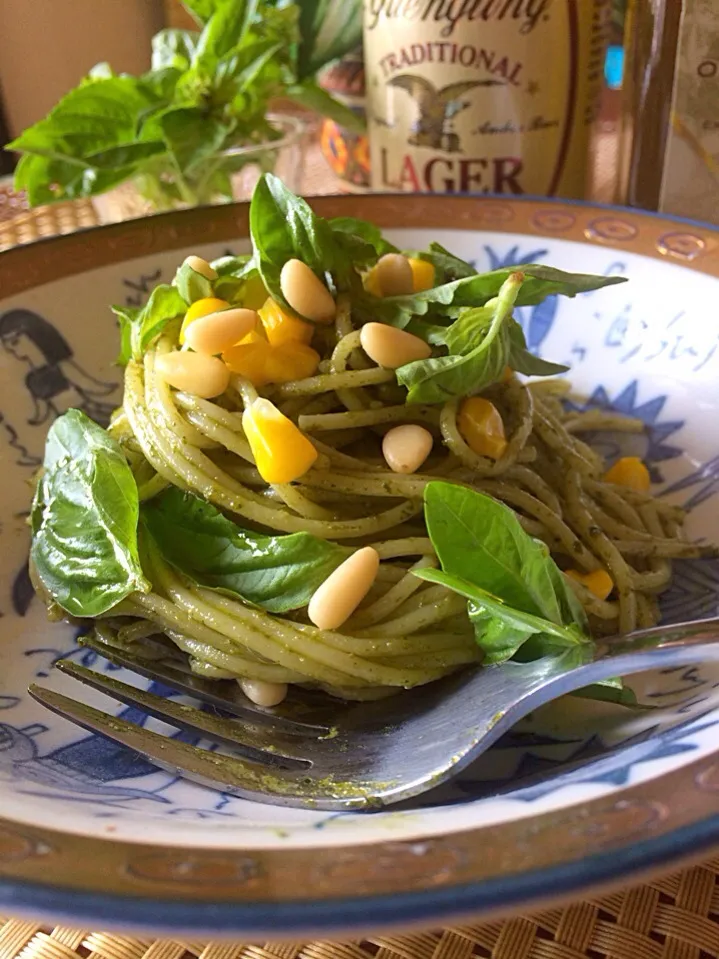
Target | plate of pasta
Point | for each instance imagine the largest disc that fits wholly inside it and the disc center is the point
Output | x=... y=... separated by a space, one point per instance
x=283 y=442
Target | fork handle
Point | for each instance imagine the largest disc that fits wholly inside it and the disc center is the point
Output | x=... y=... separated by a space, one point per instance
x=662 y=647
x=676 y=636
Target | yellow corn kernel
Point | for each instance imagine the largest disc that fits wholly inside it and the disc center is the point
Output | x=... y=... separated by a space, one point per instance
x=629 y=471
x=291 y=361
x=481 y=427
x=371 y=282
x=254 y=294
x=282 y=453
x=249 y=359
x=203 y=307
x=254 y=336
x=598 y=582
x=281 y=328
x=422 y=274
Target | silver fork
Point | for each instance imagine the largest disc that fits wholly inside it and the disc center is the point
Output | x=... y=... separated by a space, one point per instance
x=317 y=753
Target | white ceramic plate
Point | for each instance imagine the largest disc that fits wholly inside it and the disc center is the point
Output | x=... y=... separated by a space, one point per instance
x=91 y=833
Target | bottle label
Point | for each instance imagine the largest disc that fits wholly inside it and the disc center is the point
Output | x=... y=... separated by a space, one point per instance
x=690 y=182
x=482 y=96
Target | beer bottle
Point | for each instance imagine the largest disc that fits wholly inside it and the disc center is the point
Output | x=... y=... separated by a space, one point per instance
x=483 y=96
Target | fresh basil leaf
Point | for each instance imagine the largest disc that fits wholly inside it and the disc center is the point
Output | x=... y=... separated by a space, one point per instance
x=448 y=267
x=161 y=86
x=472 y=291
x=522 y=361
x=479 y=346
x=236 y=274
x=519 y=602
x=96 y=115
x=500 y=638
x=192 y=137
x=531 y=365
x=328 y=29
x=231 y=265
x=48 y=179
x=278 y=573
x=174 y=49
x=192 y=285
x=139 y=329
x=45 y=179
x=84 y=520
x=99 y=115
x=253 y=65
x=309 y=94
x=124 y=155
x=442 y=378
x=126 y=318
x=482 y=342
x=201 y=10
x=367 y=233
x=223 y=31
x=482 y=540
x=508 y=628
x=473 y=325
x=570 y=609
x=283 y=226
x=164 y=305
x=612 y=691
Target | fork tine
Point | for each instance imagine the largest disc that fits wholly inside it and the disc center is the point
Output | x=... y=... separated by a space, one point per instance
x=239 y=777
x=257 y=741
x=207 y=691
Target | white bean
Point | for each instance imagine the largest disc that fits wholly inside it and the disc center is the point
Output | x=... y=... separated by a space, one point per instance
x=217 y=332
x=196 y=373
x=406 y=447
x=262 y=693
x=390 y=347
x=201 y=266
x=344 y=589
x=394 y=275
x=305 y=293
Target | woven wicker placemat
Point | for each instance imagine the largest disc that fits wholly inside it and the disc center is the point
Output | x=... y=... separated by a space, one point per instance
x=674 y=917
x=20 y=225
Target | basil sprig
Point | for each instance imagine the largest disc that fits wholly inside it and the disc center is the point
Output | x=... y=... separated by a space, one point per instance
x=207 y=90
x=140 y=326
x=481 y=343
x=519 y=602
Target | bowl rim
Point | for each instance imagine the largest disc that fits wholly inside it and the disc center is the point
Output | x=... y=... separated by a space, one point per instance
x=393 y=884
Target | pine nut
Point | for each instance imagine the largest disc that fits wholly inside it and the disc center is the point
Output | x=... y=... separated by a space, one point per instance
x=390 y=347
x=201 y=266
x=217 y=332
x=394 y=275
x=342 y=592
x=305 y=293
x=196 y=373
x=262 y=693
x=406 y=447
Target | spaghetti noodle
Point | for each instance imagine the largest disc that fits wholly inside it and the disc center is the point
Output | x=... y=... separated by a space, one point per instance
x=408 y=632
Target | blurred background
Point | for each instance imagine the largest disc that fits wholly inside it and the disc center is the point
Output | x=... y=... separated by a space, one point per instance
x=638 y=105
